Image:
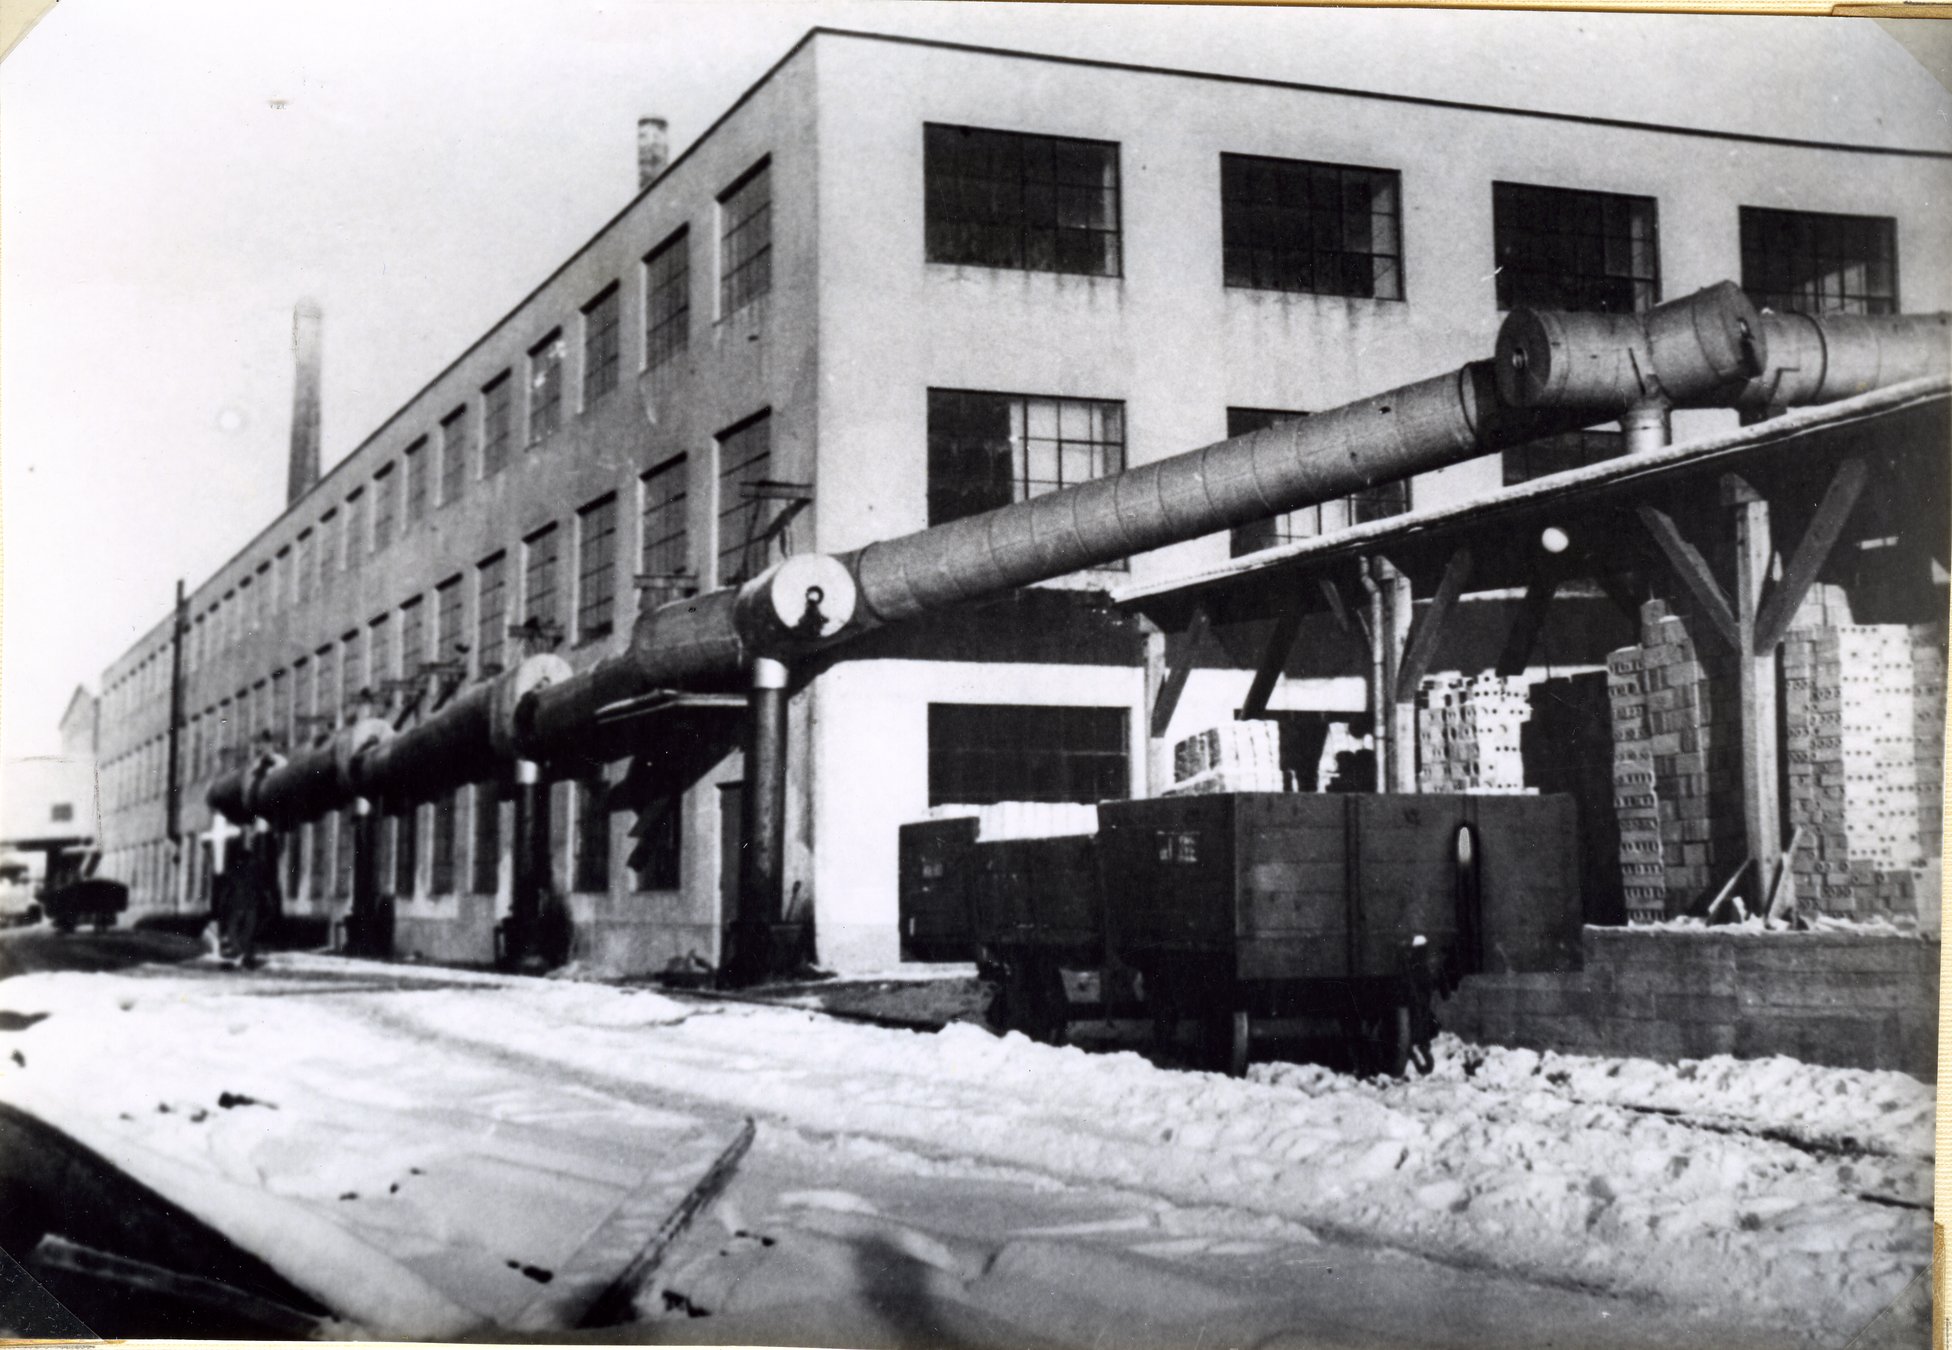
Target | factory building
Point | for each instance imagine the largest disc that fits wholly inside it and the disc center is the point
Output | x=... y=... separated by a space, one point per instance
x=901 y=282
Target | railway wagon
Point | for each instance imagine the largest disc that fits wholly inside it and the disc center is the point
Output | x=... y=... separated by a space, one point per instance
x=1237 y=908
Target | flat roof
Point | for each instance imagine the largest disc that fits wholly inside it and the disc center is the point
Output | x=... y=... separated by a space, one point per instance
x=1892 y=422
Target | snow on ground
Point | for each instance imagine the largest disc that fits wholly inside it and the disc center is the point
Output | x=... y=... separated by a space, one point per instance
x=1722 y=1184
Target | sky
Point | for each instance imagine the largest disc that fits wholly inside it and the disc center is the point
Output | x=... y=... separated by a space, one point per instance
x=175 y=174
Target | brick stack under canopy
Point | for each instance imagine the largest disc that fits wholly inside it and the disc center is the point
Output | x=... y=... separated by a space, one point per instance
x=1470 y=733
x=1864 y=712
x=1676 y=771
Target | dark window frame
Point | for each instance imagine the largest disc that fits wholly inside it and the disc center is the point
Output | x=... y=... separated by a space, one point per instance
x=497 y=423
x=1275 y=235
x=546 y=361
x=596 y=576
x=454 y=455
x=413 y=463
x=667 y=299
x=1574 y=249
x=603 y=357
x=981 y=753
x=590 y=856
x=542 y=562
x=491 y=614
x=1011 y=200
x=1789 y=259
x=739 y=464
x=745 y=239
x=956 y=490
x=664 y=526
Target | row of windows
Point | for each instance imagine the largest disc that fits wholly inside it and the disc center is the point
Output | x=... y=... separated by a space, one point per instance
x=1051 y=204
x=432 y=472
x=454 y=844
x=561 y=582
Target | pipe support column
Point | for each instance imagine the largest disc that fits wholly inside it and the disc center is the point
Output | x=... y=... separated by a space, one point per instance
x=529 y=870
x=761 y=941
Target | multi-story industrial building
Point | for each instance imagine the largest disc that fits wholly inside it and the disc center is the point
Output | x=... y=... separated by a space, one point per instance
x=898 y=282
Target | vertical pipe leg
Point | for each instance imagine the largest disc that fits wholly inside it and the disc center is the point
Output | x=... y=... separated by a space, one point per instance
x=371 y=934
x=761 y=943
x=528 y=855
x=1647 y=424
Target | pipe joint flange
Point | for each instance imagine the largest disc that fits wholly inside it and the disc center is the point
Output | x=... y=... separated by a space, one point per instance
x=504 y=717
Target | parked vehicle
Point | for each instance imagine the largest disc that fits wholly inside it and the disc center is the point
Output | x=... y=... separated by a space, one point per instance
x=95 y=900
x=1235 y=909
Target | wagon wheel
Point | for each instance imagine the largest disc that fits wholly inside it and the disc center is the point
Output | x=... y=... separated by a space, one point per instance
x=1162 y=1005
x=1034 y=1001
x=996 y=1009
x=1240 y=1044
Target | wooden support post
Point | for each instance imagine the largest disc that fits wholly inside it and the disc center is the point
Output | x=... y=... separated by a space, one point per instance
x=1693 y=570
x=1755 y=674
x=1158 y=760
x=1428 y=629
x=1529 y=622
x=1174 y=683
x=1396 y=729
x=1812 y=551
x=1274 y=657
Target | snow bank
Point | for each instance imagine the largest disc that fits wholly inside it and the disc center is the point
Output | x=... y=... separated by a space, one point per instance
x=1514 y=1173
x=1790 y=1193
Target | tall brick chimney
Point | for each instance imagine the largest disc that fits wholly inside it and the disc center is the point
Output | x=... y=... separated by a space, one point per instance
x=653 y=149
x=306 y=320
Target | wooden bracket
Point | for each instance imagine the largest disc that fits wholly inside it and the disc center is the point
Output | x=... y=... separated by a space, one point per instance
x=1177 y=671
x=1812 y=551
x=1274 y=657
x=1693 y=570
x=1428 y=627
x=1530 y=619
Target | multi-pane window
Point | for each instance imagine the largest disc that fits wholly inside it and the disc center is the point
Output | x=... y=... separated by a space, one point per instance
x=406 y=850
x=981 y=753
x=541 y=590
x=745 y=458
x=1320 y=229
x=352 y=675
x=745 y=249
x=988 y=450
x=591 y=871
x=487 y=838
x=348 y=841
x=442 y=847
x=1036 y=203
x=596 y=569
x=1560 y=248
x=327 y=549
x=302 y=706
x=491 y=614
x=383 y=500
x=1371 y=503
x=353 y=545
x=379 y=647
x=545 y=387
x=415 y=462
x=329 y=688
x=413 y=637
x=497 y=425
x=320 y=851
x=281 y=578
x=657 y=851
x=666 y=561
x=602 y=357
x=449 y=615
x=667 y=300
x=1815 y=263
x=1558 y=453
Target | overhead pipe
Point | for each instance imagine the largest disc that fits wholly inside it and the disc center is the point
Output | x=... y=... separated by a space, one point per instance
x=1551 y=373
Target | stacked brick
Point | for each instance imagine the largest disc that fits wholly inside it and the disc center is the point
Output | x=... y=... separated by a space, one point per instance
x=1676 y=768
x=1470 y=734
x=1864 y=708
x=1235 y=757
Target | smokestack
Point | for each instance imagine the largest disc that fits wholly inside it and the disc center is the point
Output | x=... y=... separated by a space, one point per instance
x=306 y=319
x=653 y=149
